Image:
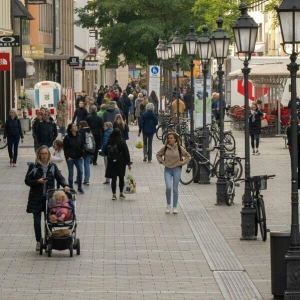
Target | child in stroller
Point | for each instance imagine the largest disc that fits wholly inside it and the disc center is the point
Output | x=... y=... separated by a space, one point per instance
x=61 y=209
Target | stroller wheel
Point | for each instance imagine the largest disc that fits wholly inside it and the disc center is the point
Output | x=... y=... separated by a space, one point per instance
x=49 y=250
x=77 y=246
x=41 y=246
x=71 y=248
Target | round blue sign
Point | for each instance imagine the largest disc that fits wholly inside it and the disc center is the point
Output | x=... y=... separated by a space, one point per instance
x=154 y=70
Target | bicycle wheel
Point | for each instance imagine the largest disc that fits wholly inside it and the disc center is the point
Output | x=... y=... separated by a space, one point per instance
x=239 y=169
x=230 y=192
x=256 y=217
x=2 y=145
x=189 y=172
x=211 y=141
x=229 y=142
x=261 y=217
x=159 y=132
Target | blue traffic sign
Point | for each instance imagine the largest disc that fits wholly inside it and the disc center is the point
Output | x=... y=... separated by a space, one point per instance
x=154 y=70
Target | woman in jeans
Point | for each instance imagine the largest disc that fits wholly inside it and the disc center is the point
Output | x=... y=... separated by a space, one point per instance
x=147 y=125
x=173 y=156
x=255 y=127
x=13 y=133
x=41 y=176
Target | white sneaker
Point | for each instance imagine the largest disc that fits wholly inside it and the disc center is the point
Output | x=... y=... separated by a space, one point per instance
x=175 y=210
x=168 y=209
x=114 y=197
x=38 y=246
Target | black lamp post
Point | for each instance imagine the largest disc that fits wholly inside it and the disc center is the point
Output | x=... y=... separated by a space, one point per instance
x=220 y=44
x=159 y=55
x=191 y=49
x=204 y=50
x=245 y=33
x=177 y=46
x=289 y=20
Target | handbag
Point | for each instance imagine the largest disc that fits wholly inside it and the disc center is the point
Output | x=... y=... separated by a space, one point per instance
x=130 y=185
x=264 y=123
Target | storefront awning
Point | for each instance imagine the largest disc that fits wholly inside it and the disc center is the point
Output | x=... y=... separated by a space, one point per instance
x=28 y=59
x=20 y=67
x=20 y=11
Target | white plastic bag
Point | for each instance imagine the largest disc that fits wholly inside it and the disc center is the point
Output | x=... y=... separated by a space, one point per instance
x=139 y=143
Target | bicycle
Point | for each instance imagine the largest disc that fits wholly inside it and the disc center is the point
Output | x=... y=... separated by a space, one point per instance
x=180 y=129
x=2 y=144
x=167 y=120
x=190 y=170
x=258 y=183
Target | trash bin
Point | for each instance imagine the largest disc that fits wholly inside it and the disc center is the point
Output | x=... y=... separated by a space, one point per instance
x=280 y=242
x=25 y=124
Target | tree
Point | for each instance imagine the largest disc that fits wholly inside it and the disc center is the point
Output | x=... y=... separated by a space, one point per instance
x=132 y=28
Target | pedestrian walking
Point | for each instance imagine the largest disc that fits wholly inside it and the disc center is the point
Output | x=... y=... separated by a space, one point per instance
x=74 y=152
x=81 y=97
x=108 y=128
x=36 y=121
x=131 y=110
x=255 y=127
x=181 y=109
x=80 y=114
x=119 y=123
x=143 y=105
x=118 y=158
x=138 y=103
x=111 y=112
x=62 y=115
x=173 y=156
x=41 y=176
x=13 y=133
x=126 y=103
x=96 y=125
x=46 y=131
x=147 y=126
x=57 y=155
x=153 y=99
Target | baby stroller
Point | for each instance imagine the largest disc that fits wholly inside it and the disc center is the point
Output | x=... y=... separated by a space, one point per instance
x=60 y=235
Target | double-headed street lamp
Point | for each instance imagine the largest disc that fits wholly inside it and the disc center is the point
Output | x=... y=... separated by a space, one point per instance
x=204 y=50
x=245 y=33
x=191 y=49
x=220 y=44
x=289 y=20
x=177 y=46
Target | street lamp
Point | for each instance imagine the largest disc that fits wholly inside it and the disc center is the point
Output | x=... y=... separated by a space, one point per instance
x=177 y=46
x=289 y=20
x=220 y=44
x=191 y=49
x=245 y=33
x=204 y=50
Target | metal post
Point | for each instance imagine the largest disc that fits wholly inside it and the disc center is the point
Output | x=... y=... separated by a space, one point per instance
x=192 y=65
x=293 y=255
x=163 y=71
x=204 y=172
x=177 y=87
x=221 y=183
x=248 y=212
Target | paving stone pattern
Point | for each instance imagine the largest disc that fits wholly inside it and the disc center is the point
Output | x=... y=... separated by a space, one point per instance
x=132 y=250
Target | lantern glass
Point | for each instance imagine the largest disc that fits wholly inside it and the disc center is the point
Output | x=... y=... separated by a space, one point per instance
x=289 y=22
x=191 y=47
x=220 y=47
x=170 y=52
x=245 y=39
x=204 y=50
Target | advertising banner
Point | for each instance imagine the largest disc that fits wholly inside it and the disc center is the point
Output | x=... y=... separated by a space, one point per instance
x=33 y=51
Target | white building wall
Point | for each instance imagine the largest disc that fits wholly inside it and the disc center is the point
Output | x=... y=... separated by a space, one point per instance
x=81 y=35
x=5 y=13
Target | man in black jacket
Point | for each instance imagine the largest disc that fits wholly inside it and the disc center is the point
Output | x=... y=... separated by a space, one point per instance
x=80 y=114
x=188 y=101
x=96 y=125
x=46 y=131
x=126 y=103
x=80 y=98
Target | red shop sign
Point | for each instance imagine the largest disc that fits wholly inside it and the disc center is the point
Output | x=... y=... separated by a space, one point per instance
x=4 y=61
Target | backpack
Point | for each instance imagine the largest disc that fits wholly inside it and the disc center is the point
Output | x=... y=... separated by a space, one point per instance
x=112 y=152
x=179 y=150
x=89 y=145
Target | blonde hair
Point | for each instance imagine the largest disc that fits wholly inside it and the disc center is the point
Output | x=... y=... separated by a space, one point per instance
x=61 y=194
x=119 y=120
x=145 y=101
x=38 y=153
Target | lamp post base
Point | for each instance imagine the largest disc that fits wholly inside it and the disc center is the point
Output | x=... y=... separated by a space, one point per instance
x=293 y=276
x=248 y=223
x=221 y=191
x=204 y=175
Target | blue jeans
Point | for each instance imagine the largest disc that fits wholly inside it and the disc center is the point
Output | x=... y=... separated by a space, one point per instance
x=86 y=166
x=78 y=164
x=147 y=140
x=13 y=141
x=62 y=130
x=37 y=226
x=170 y=174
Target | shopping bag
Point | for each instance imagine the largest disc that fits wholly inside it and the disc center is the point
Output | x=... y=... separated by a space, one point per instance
x=139 y=143
x=130 y=185
x=264 y=123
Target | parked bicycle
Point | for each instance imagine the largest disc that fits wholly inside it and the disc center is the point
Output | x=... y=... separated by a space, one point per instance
x=190 y=170
x=167 y=119
x=2 y=144
x=258 y=183
x=180 y=129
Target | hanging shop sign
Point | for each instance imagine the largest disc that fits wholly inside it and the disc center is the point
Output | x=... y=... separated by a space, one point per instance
x=4 y=61
x=10 y=41
x=33 y=51
x=35 y=2
x=91 y=65
x=73 y=61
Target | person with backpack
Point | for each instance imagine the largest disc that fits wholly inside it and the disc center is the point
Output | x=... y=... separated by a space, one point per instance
x=171 y=156
x=96 y=125
x=13 y=133
x=148 y=123
x=74 y=152
x=118 y=158
x=41 y=176
x=108 y=128
x=89 y=149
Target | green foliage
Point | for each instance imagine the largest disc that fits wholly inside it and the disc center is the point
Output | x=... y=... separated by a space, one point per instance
x=270 y=7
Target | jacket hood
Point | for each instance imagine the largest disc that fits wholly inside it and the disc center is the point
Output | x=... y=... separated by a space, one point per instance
x=149 y=114
x=109 y=130
x=111 y=108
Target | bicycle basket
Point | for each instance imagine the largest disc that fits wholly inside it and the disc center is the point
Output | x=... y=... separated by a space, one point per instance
x=258 y=183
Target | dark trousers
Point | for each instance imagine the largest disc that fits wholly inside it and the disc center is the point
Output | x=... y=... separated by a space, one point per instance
x=254 y=137
x=114 y=184
x=126 y=117
x=37 y=219
x=13 y=142
x=147 y=147
x=98 y=142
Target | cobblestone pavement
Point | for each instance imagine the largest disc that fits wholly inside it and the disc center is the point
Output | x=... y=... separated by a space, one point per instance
x=132 y=250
